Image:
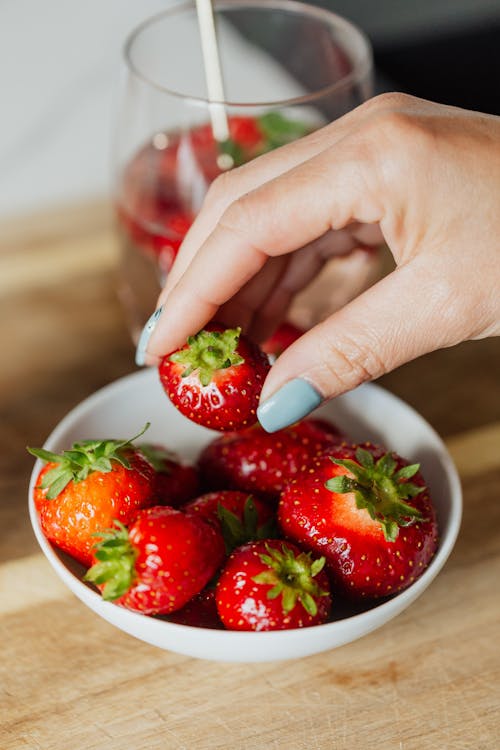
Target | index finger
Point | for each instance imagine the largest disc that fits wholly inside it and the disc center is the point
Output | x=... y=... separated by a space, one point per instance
x=232 y=185
x=329 y=191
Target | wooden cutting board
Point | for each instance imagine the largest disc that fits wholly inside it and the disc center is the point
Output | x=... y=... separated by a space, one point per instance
x=429 y=679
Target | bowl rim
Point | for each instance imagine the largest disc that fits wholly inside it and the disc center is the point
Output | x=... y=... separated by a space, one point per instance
x=385 y=610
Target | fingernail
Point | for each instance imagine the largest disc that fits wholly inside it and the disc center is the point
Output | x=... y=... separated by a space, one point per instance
x=293 y=401
x=140 y=353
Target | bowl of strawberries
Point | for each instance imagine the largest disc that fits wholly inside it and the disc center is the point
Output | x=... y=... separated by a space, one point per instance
x=231 y=543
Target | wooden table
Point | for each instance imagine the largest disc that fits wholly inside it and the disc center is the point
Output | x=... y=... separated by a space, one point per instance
x=428 y=679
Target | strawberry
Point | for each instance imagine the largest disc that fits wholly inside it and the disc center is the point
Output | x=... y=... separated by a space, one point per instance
x=241 y=517
x=151 y=212
x=281 y=339
x=357 y=507
x=199 y=612
x=85 y=488
x=255 y=461
x=216 y=378
x=159 y=563
x=245 y=131
x=175 y=483
x=272 y=586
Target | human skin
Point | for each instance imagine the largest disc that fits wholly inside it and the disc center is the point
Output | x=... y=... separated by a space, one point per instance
x=423 y=177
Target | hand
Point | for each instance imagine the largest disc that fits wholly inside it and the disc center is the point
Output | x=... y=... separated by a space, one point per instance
x=422 y=176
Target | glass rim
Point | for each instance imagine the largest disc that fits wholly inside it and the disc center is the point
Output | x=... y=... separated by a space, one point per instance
x=361 y=66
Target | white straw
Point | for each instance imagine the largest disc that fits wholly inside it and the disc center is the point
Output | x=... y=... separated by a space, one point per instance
x=213 y=71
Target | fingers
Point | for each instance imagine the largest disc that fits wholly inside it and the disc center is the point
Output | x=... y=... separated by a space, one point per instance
x=303 y=266
x=242 y=308
x=260 y=305
x=232 y=185
x=329 y=191
x=391 y=323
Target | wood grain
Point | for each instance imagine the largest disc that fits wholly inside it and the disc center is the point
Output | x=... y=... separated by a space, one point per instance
x=429 y=679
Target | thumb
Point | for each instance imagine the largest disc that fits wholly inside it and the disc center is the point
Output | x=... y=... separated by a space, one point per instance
x=407 y=314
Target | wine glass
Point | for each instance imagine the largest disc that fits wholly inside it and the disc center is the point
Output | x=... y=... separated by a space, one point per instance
x=288 y=68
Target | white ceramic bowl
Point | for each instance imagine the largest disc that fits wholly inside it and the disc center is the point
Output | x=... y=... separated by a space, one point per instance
x=368 y=413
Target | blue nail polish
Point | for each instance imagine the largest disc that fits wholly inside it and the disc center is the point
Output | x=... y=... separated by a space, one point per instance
x=293 y=401
x=140 y=354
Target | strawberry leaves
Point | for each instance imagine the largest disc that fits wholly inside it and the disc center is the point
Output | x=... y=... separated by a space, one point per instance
x=236 y=532
x=209 y=351
x=279 y=130
x=159 y=457
x=82 y=459
x=379 y=489
x=115 y=566
x=292 y=577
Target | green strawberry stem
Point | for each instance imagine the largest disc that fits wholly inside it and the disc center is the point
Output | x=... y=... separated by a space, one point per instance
x=158 y=457
x=236 y=532
x=209 y=351
x=116 y=562
x=380 y=489
x=82 y=459
x=292 y=578
x=278 y=130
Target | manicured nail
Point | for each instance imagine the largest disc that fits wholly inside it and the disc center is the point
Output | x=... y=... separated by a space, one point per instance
x=140 y=354
x=293 y=401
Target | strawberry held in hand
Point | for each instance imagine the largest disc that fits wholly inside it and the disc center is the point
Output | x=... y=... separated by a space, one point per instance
x=216 y=378
x=158 y=564
x=271 y=585
x=357 y=507
x=255 y=461
x=83 y=490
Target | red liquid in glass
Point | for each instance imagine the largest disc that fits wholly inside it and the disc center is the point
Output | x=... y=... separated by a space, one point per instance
x=161 y=190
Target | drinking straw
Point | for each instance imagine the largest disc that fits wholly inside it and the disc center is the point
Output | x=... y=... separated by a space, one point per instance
x=213 y=72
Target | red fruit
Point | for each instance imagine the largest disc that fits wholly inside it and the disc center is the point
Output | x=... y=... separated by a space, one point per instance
x=175 y=483
x=244 y=131
x=202 y=137
x=239 y=516
x=180 y=223
x=255 y=461
x=86 y=488
x=216 y=378
x=281 y=339
x=158 y=564
x=357 y=507
x=199 y=612
x=151 y=212
x=272 y=586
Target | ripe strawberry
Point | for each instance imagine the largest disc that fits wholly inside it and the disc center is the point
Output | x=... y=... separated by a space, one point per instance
x=356 y=507
x=272 y=586
x=239 y=516
x=281 y=339
x=216 y=378
x=175 y=483
x=245 y=131
x=85 y=488
x=255 y=461
x=199 y=612
x=156 y=566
